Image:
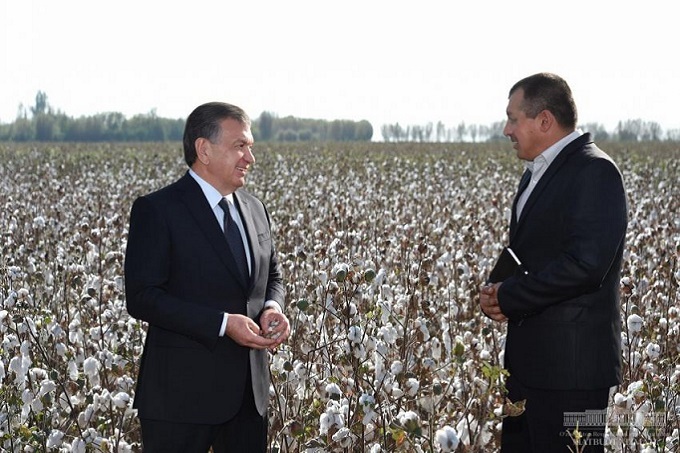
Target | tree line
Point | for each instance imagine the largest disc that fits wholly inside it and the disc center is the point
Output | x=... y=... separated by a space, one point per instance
x=43 y=123
x=626 y=131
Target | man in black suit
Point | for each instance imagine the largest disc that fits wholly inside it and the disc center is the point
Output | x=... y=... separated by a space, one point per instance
x=213 y=307
x=568 y=227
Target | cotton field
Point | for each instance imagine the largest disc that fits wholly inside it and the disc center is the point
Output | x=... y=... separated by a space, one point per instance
x=383 y=249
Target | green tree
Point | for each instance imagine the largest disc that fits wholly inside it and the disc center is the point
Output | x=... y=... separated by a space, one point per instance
x=41 y=105
x=266 y=126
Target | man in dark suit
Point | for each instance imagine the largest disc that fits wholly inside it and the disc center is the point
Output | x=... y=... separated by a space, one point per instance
x=213 y=307
x=568 y=227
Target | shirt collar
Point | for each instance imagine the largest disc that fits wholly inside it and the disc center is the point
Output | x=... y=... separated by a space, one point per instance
x=211 y=194
x=544 y=159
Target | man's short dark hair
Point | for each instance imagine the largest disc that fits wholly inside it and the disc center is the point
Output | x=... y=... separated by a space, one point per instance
x=546 y=91
x=204 y=122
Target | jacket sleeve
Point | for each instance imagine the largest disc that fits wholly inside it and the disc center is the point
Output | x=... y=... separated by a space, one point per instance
x=147 y=274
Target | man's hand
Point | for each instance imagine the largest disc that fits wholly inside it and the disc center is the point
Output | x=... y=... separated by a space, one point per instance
x=275 y=326
x=488 y=302
x=246 y=332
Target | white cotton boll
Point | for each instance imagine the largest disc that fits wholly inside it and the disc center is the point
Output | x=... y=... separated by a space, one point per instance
x=85 y=416
x=95 y=333
x=19 y=366
x=46 y=387
x=485 y=355
x=396 y=367
x=436 y=348
x=636 y=359
x=343 y=437
x=91 y=366
x=409 y=420
x=653 y=351
x=330 y=418
x=355 y=334
x=10 y=300
x=37 y=405
x=27 y=396
x=367 y=400
x=61 y=349
x=332 y=391
x=429 y=363
x=634 y=323
x=427 y=404
x=421 y=325
x=73 y=370
x=634 y=389
x=446 y=338
x=412 y=386
x=39 y=222
x=447 y=438
x=55 y=438
x=622 y=402
x=121 y=400
x=389 y=334
x=25 y=348
x=23 y=294
x=101 y=400
x=300 y=370
x=396 y=391
x=376 y=448
x=2 y=371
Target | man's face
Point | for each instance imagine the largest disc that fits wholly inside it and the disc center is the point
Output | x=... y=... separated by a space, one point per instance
x=523 y=131
x=230 y=156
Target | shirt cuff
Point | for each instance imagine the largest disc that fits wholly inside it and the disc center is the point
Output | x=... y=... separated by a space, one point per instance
x=273 y=304
x=223 y=328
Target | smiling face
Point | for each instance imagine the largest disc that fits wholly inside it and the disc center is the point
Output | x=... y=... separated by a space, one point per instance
x=224 y=164
x=524 y=132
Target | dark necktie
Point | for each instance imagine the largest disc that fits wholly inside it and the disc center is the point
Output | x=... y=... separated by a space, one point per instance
x=235 y=241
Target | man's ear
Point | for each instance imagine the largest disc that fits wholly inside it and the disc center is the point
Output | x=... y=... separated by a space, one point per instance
x=546 y=120
x=202 y=145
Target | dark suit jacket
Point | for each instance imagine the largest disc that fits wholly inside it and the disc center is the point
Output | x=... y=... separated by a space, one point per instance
x=564 y=328
x=180 y=277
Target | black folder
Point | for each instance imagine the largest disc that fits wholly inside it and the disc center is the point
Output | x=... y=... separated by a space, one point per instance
x=507 y=265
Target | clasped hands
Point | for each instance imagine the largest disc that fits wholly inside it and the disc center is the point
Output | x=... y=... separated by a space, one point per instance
x=273 y=330
x=488 y=302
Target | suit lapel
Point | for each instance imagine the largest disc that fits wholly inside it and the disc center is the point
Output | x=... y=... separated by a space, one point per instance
x=200 y=210
x=523 y=184
x=550 y=172
x=249 y=226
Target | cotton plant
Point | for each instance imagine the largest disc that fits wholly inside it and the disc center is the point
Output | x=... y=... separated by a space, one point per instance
x=383 y=252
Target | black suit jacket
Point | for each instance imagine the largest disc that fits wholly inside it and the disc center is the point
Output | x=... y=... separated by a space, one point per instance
x=564 y=328
x=180 y=277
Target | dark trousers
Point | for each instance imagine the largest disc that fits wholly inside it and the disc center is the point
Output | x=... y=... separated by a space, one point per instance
x=246 y=432
x=550 y=415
